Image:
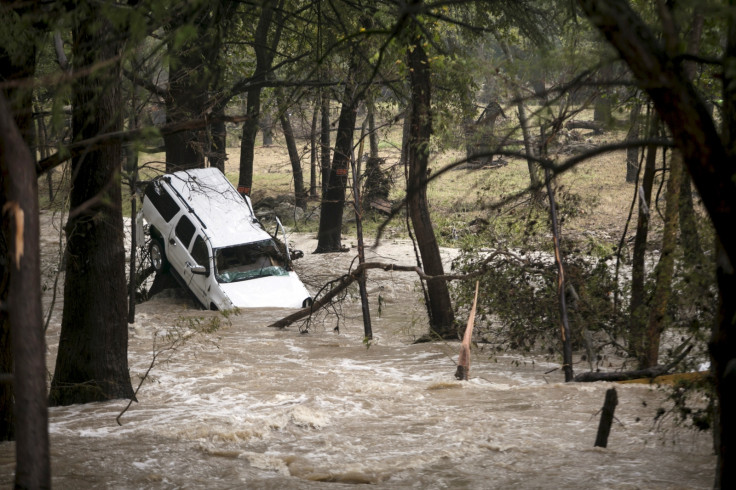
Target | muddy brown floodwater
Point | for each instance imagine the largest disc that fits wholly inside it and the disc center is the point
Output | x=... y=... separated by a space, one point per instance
x=253 y=407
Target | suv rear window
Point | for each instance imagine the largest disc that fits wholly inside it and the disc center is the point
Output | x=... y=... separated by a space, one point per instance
x=162 y=201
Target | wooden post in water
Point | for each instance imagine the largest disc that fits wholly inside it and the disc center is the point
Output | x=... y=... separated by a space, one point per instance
x=463 y=362
x=604 y=428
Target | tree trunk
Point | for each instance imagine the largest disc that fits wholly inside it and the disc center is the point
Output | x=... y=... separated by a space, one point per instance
x=637 y=305
x=325 y=139
x=665 y=267
x=535 y=178
x=333 y=199
x=264 y=58
x=266 y=125
x=296 y=164
x=17 y=62
x=632 y=154
x=22 y=268
x=372 y=135
x=442 y=317
x=218 y=138
x=313 y=151
x=723 y=365
x=92 y=362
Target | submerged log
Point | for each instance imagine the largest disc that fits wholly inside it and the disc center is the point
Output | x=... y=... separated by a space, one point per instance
x=578 y=124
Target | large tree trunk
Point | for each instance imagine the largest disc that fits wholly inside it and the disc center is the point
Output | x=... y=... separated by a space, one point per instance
x=22 y=305
x=333 y=198
x=638 y=305
x=442 y=318
x=17 y=62
x=92 y=362
x=666 y=266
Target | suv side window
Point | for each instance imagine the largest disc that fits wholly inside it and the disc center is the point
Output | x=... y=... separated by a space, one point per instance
x=185 y=231
x=200 y=254
x=162 y=201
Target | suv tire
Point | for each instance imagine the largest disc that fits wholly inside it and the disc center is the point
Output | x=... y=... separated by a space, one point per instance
x=158 y=257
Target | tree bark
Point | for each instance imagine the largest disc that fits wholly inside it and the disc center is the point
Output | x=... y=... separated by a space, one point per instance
x=637 y=305
x=92 y=363
x=16 y=63
x=442 y=317
x=264 y=59
x=20 y=230
x=632 y=154
x=333 y=199
x=313 y=151
x=666 y=266
x=296 y=165
x=324 y=135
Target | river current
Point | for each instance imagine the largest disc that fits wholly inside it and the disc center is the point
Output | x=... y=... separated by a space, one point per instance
x=248 y=406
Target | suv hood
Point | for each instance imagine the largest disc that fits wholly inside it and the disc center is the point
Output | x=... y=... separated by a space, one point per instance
x=271 y=291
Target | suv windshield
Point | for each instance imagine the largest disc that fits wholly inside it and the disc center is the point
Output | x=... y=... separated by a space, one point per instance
x=249 y=261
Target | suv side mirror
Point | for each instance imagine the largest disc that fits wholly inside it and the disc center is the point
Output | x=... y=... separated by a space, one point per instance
x=199 y=269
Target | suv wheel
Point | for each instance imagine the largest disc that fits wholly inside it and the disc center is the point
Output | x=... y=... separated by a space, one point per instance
x=158 y=257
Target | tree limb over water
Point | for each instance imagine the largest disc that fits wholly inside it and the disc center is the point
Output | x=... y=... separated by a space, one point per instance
x=341 y=283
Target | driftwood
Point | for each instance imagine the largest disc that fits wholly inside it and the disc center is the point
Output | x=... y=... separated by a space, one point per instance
x=651 y=372
x=578 y=124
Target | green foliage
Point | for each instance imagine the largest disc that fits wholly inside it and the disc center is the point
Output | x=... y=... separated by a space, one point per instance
x=518 y=307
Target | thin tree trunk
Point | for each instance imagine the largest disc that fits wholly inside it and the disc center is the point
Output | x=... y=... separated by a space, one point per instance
x=632 y=154
x=535 y=180
x=372 y=135
x=358 y=206
x=264 y=58
x=637 y=305
x=325 y=139
x=313 y=151
x=442 y=317
x=296 y=164
x=564 y=324
x=665 y=267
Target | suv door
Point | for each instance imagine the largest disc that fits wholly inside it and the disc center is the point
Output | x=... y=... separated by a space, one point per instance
x=178 y=252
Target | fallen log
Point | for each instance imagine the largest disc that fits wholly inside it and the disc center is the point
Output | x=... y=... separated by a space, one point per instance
x=578 y=124
x=652 y=372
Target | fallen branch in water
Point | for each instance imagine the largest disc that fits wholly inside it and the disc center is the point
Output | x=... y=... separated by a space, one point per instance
x=651 y=372
x=341 y=283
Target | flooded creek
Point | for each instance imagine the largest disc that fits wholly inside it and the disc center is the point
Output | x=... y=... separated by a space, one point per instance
x=252 y=407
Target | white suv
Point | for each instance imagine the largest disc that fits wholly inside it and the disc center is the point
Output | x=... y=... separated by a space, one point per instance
x=206 y=233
